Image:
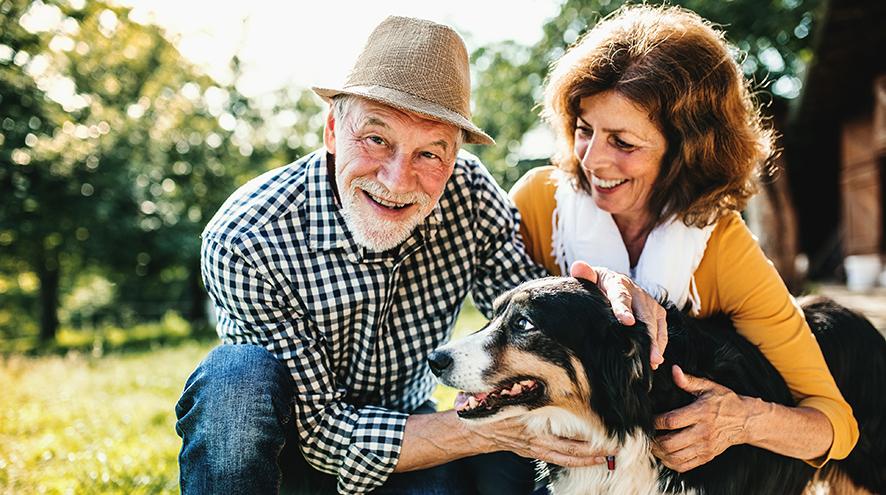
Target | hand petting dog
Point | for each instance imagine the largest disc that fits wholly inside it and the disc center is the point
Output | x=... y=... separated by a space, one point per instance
x=717 y=420
x=628 y=299
x=513 y=434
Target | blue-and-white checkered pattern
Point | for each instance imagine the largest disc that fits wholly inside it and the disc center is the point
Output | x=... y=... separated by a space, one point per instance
x=355 y=326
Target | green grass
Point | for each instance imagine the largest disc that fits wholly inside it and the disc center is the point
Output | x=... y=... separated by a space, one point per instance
x=79 y=424
x=84 y=422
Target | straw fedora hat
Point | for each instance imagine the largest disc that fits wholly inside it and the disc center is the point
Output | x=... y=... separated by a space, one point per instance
x=418 y=66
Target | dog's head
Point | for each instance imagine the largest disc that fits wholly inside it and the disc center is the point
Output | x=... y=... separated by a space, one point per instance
x=555 y=343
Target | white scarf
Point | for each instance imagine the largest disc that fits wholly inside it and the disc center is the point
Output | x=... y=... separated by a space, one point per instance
x=582 y=231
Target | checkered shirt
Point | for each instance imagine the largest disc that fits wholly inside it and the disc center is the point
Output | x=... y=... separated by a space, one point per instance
x=354 y=326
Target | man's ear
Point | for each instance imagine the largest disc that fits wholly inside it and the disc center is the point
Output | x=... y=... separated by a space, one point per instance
x=329 y=132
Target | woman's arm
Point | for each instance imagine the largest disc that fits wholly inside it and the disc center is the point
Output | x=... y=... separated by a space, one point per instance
x=720 y=418
x=737 y=279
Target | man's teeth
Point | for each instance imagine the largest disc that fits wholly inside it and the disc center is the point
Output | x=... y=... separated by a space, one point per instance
x=606 y=184
x=384 y=202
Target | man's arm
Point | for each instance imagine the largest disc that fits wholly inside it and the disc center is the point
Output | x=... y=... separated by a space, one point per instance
x=434 y=439
x=359 y=445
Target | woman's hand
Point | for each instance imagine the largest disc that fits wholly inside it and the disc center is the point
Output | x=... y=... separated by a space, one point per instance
x=717 y=420
x=627 y=299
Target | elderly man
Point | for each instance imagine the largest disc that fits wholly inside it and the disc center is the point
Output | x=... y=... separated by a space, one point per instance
x=337 y=276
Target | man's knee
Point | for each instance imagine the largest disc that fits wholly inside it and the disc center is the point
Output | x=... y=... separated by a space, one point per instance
x=234 y=412
x=233 y=379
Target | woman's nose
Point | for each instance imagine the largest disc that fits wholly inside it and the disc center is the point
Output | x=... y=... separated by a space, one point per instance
x=592 y=154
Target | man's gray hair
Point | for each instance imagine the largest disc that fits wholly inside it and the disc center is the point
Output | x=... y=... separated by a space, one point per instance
x=343 y=103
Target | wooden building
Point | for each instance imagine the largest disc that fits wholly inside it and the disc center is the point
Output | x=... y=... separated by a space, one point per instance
x=835 y=139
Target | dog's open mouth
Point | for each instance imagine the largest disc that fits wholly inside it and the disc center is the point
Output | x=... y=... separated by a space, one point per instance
x=510 y=393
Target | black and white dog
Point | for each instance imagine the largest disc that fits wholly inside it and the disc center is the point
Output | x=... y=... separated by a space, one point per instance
x=555 y=355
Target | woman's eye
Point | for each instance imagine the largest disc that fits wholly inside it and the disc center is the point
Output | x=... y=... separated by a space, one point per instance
x=623 y=144
x=523 y=324
x=376 y=140
x=584 y=131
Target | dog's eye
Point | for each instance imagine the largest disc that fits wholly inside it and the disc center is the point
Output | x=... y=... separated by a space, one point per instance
x=523 y=324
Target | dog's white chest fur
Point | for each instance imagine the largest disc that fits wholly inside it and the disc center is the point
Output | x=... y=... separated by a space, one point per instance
x=636 y=471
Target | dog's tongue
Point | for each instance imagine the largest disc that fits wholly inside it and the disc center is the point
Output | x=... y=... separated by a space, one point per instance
x=461 y=400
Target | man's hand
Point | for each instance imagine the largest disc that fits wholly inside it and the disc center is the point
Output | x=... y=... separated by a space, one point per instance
x=717 y=420
x=627 y=298
x=511 y=434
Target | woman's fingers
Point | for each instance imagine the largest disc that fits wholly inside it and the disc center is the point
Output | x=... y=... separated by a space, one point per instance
x=683 y=460
x=580 y=269
x=629 y=302
x=679 y=418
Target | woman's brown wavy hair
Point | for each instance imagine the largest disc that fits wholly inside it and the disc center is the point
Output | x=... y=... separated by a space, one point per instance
x=678 y=67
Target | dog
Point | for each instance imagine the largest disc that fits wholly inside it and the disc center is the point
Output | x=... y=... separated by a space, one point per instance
x=555 y=356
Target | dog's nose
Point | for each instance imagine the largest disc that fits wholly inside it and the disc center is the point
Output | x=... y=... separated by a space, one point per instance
x=439 y=361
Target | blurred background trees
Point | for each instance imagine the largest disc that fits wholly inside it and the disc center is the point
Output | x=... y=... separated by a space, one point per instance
x=115 y=150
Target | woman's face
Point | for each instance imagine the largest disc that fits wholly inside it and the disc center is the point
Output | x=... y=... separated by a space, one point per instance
x=620 y=150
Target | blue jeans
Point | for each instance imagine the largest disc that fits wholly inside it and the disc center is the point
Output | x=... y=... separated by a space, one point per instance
x=236 y=421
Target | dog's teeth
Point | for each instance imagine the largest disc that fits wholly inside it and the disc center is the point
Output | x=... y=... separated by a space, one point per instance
x=505 y=392
x=472 y=402
x=527 y=383
x=516 y=389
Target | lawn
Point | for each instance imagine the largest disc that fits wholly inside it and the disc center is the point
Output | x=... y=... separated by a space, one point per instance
x=82 y=424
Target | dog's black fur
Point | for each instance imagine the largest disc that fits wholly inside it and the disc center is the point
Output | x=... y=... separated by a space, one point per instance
x=578 y=316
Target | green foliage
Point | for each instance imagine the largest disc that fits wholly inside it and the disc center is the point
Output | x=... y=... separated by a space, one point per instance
x=117 y=151
x=774 y=39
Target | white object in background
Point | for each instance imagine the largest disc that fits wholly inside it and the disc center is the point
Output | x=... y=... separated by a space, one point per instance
x=862 y=271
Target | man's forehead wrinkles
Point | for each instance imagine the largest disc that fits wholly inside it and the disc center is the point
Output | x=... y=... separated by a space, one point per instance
x=373 y=120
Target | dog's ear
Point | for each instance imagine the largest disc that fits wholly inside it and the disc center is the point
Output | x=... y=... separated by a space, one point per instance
x=620 y=376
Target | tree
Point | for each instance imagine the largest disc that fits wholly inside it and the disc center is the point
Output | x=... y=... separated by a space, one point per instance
x=117 y=150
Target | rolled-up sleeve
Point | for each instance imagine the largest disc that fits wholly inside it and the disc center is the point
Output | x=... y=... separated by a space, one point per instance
x=361 y=446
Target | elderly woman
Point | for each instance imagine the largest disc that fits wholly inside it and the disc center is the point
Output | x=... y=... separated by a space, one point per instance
x=661 y=143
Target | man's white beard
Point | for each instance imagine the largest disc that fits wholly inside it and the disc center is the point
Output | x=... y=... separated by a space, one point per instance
x=370 y=230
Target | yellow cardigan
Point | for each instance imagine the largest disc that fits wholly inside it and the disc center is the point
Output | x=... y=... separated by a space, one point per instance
x=733 y=278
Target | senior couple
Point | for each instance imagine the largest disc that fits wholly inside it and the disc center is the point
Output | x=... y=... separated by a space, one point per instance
x=334 y=277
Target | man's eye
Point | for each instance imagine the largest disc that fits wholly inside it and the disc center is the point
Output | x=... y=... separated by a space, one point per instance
x=429 y=155
x=523 y=324
x=376 y=140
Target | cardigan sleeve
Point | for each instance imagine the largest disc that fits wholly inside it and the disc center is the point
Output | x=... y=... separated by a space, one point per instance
x=737 y=279
x=533 y=195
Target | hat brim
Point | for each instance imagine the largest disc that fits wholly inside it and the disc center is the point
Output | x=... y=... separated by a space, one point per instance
x=410 y=103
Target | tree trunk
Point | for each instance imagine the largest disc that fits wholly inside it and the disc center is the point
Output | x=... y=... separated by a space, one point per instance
x=48 y=271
